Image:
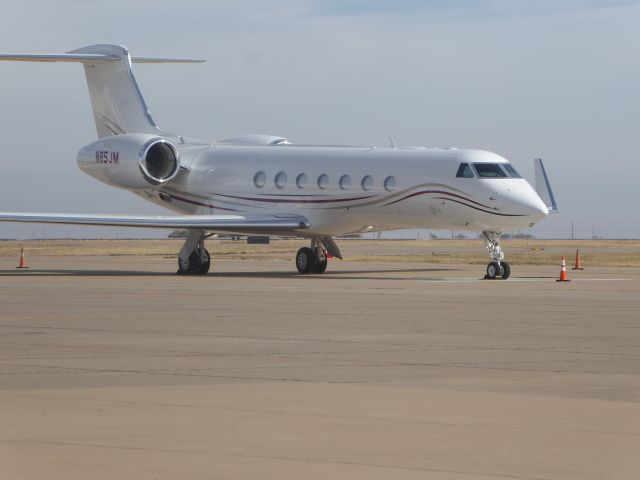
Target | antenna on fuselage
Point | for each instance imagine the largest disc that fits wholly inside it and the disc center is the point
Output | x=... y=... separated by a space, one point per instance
x=392 y=142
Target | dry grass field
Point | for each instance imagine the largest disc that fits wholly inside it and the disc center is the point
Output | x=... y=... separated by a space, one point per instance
x=603 y=253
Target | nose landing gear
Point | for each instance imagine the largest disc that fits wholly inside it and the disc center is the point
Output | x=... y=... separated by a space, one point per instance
x=497 y=268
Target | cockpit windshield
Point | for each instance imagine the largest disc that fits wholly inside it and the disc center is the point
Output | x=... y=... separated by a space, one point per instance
x=489 y=170
x=511 y=169
x=464 y=171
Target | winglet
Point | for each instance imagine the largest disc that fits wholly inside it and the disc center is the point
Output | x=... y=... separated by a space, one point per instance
x=543 y=186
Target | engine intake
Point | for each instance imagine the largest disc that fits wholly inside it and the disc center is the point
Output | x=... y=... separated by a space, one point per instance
x=159 y=161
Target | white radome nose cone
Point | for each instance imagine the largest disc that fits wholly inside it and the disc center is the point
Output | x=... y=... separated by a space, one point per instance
x=535 y=207
x=523 y=200
x=539 y=206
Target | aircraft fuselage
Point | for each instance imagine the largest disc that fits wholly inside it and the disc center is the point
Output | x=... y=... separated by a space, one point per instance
x=345 y=190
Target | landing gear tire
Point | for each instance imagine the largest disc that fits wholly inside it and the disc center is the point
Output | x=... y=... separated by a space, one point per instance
x=495 y=270
x=198 y=263
x=506 y=270
x=305 y=260
x=319 y=266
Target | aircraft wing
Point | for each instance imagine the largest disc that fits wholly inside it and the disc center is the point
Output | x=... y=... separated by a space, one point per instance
x=263 y=224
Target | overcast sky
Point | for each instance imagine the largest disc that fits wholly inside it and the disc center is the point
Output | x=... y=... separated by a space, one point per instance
x=555 y=79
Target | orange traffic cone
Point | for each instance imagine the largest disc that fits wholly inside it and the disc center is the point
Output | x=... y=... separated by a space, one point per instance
x=23 y=261
x=578 y=262
x=563 y=272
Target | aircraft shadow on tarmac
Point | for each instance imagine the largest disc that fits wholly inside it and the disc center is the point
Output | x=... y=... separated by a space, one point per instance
x=80 y=273
x=335 y=275
x=350 y=274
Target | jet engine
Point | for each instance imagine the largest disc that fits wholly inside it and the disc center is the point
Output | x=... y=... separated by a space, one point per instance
x=132 y=161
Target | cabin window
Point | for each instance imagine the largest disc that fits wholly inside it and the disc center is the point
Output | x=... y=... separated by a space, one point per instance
x=281 y=180
x=367 y=182
x=390 y=184
x=489 y=170
x=511 y=169
x=259 y=179
x=323 y=181
x=345 y=182
x=464 y=171
x=301 y=180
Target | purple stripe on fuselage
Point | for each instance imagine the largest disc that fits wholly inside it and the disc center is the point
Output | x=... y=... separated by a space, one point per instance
x=289 y=200
x=480 y=209
x=440 y=192
x=193 y=202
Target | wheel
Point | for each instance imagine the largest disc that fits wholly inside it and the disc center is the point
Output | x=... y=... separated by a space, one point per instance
x=493 y=271
x=319 y=266
x=305 y=260
x=506 y=270
x=197 y=263
x=204 y=262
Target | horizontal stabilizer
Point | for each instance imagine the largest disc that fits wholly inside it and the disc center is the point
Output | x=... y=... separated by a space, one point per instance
x=118 y=106
x=61 y=57
x=89 y=58
x=165 y=60
x=543 y=186
x=220 y=223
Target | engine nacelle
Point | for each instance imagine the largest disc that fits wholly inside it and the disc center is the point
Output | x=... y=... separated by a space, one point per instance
x=133 y=161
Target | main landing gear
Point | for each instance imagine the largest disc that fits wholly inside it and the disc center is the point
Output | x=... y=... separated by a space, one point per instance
x=198 y=263
x=193 y=258
x=314 y=259
x=497 y=268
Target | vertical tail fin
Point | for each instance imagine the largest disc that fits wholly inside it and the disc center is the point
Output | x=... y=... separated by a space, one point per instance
x=118 y=106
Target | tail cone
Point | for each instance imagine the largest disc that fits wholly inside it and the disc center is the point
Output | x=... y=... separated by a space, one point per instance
x=23 y=261
x=563 y=272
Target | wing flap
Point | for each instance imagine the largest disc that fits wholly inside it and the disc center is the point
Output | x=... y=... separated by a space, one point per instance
x=220 y=223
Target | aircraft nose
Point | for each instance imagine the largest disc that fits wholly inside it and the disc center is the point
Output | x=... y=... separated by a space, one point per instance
x=533 y=206
x=524 y=201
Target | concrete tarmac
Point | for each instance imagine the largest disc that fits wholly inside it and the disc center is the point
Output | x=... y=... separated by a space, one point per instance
x=112 y=367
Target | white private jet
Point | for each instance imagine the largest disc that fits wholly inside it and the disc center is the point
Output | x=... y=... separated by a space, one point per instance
x=264 y=184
